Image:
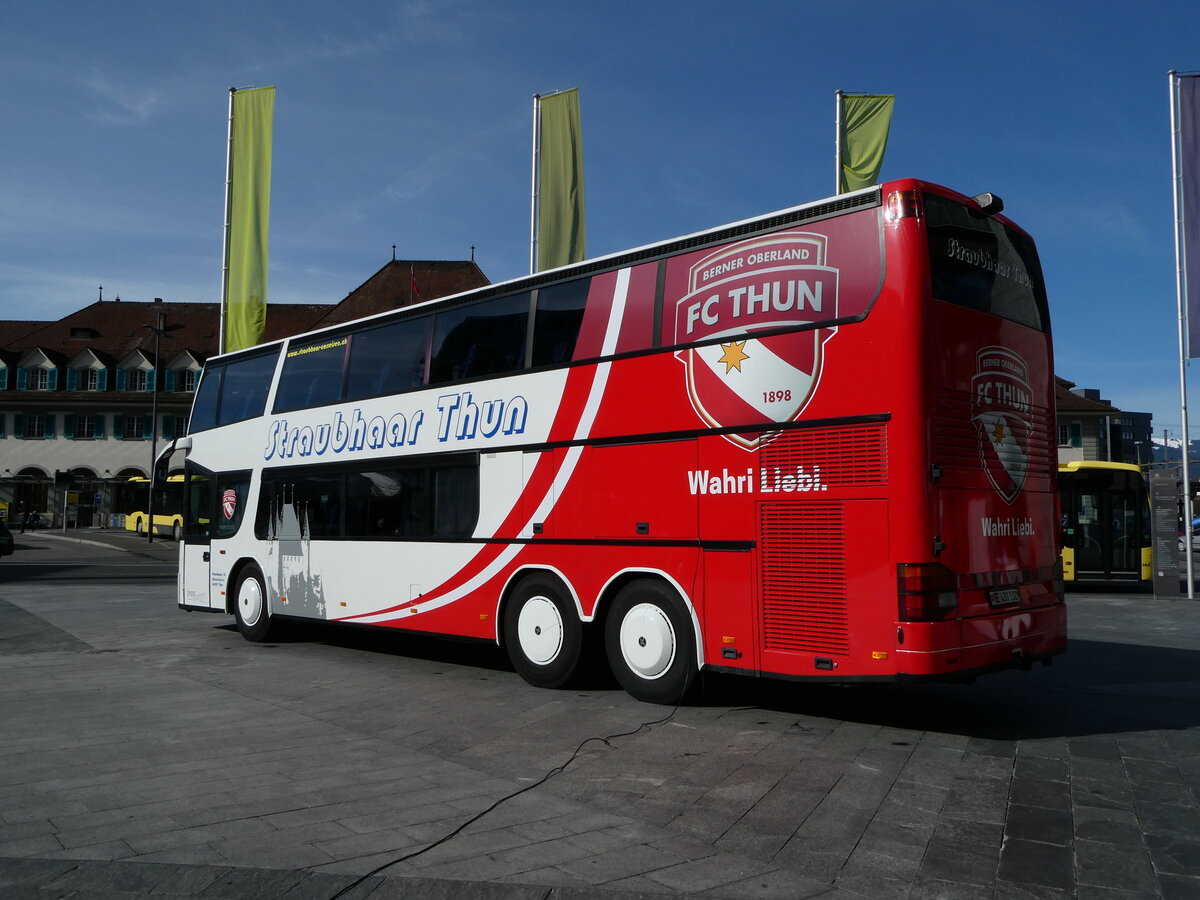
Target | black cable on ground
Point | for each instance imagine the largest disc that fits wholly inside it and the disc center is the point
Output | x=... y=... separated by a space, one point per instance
x=475 y=818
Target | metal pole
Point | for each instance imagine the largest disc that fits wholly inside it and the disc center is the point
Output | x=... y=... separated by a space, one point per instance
x=533 y=202
x=837 y=145
x=1180 y=281
x=158 y=330
x=225 y=243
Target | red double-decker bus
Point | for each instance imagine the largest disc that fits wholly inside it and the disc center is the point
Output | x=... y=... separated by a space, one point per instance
x=815 y=444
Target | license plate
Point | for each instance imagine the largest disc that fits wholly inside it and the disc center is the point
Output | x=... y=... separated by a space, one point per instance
x=1004 y=597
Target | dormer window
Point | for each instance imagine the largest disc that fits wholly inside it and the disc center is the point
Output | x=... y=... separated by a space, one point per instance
x=186 y=380
x=38 y=379
x=135 y=380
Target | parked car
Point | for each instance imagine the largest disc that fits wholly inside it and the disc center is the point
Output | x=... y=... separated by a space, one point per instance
x=6 y=540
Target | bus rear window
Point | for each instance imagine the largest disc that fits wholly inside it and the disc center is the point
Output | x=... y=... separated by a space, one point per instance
x=978 y=262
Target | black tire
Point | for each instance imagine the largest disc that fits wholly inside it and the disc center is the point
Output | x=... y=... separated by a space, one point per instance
x=650 y=643
x=250 y=606
x=176 y=531
x=542 y=632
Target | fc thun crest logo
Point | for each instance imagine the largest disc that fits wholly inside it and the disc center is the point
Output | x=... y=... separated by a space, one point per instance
x=742 y=307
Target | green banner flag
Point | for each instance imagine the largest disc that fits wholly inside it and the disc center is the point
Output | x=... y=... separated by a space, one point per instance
x=560 y=223
x=862 y=138
x=249 y=206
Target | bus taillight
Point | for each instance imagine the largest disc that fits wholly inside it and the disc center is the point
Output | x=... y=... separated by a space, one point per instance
x=902 y=205
x=928 y=591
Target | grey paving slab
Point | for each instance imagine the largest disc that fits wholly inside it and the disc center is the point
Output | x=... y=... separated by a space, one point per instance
x=140 y=743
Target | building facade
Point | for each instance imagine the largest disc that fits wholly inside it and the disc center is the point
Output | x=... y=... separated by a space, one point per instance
x=1090 y=428
x=86 y=400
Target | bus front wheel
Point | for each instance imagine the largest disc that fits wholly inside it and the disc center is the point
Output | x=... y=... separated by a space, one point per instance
x=648 y=639
x=250 y=606
x=542 y=633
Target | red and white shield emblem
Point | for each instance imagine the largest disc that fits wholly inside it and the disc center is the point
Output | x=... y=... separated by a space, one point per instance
x=779 y=281
x=1000 y=409
x=229 y=503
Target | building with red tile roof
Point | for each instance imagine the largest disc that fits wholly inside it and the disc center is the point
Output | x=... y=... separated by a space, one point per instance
x=89 y=395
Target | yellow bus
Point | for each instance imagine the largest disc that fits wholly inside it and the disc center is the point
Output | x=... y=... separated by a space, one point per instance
x=168 y=507
x=1105 y=520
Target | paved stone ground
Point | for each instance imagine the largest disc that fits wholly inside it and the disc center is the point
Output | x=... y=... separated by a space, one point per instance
x=145 y=751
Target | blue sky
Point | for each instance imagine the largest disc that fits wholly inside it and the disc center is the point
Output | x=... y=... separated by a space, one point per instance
x=408 y=123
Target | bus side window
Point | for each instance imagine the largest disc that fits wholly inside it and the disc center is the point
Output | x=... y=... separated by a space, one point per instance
x=456 y=501
x=231 y=504
x=481 y=339
x=312 y=374
x=244 y=388
x=388 y=359
x=556 y=321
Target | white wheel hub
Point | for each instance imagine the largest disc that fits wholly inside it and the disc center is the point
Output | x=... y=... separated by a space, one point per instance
x=540 y=631
x=250 y=601
x=647 y=641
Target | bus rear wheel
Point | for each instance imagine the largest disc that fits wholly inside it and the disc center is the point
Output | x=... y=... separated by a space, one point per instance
x=648 y=639
x=542 y=633
x=250 y=606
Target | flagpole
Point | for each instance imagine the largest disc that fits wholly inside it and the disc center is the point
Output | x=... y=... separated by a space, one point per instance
x=837 y=144
x=225 y=243
x=1180 y=281
x=533 y=202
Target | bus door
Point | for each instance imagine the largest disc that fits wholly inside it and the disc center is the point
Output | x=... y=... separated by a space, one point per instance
x=1108 y=531
x=194 y=558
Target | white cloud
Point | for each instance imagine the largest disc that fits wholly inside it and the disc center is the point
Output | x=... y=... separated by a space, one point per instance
x=121 y=104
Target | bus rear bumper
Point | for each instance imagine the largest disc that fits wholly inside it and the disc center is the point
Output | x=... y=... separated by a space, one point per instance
x=1013 y=640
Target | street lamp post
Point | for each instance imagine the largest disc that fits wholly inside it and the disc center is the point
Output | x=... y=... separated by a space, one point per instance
x=158 y=330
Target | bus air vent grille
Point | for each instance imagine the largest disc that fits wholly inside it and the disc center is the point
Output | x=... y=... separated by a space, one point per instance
x=804 y=597
x=854 y=455
x=956 y=440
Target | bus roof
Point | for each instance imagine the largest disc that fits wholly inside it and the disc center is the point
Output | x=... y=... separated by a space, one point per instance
x=817 y=209
x=1079 y=464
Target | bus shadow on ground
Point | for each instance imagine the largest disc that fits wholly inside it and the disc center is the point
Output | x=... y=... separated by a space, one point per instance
x=431 y=648
x=1097 y=687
